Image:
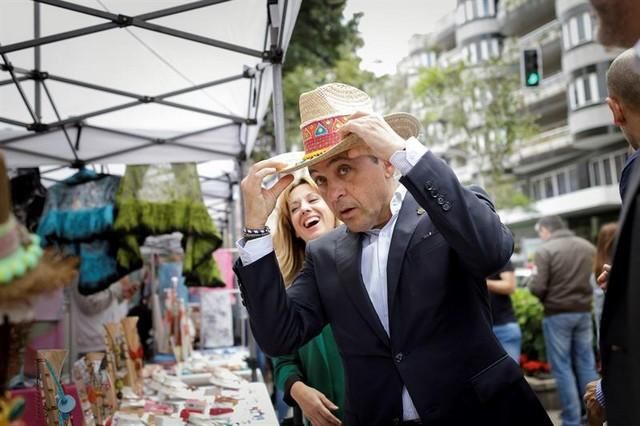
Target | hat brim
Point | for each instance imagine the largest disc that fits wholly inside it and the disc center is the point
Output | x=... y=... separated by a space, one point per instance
x=404 y=124
x=52 y=271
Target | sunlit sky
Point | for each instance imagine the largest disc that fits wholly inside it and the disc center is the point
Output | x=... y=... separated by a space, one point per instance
x=387 y=26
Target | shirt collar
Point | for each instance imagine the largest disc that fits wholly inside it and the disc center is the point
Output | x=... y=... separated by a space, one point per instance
x=397 y=199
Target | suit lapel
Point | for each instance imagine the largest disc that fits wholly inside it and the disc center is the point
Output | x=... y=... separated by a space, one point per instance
x=406 y=223
x=631 y=191
x=348 y=260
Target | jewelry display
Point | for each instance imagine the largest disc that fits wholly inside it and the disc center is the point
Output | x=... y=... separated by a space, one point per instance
x=121 y=368
x=57 y=405
x=136 y=353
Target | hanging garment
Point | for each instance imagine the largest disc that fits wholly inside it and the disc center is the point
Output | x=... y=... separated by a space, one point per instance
x=78 y=219
x=161 y=199
x=28 y=196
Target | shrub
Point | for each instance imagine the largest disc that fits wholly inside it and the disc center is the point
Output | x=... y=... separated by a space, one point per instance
x=529 y=313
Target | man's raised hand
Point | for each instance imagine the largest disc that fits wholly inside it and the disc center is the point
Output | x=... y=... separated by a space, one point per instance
x=379 y=137
x=259 y=202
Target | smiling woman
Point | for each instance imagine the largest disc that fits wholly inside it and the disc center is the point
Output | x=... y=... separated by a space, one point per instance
x=313 y=377
x=302 y=216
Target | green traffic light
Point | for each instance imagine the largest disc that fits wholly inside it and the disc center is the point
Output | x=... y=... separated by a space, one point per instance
x=533 y=79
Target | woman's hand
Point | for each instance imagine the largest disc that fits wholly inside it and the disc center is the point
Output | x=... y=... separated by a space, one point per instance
x=259 y=202
x=603 y=278
x=315 y=406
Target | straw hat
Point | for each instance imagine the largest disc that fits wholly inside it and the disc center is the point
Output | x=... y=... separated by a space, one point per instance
x=325 y=109
x=25 y=270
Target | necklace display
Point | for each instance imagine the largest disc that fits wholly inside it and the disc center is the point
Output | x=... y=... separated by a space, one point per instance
x=120 y=366
x=136 y=353
x=58 y=405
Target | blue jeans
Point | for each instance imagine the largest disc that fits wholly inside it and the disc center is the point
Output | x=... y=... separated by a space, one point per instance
x=569 y=342
x=510 y=337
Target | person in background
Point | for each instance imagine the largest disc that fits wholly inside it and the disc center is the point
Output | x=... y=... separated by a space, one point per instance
x=402 y=282
x=313 y=377
x=501 y=285
x=563 y=265
x=623 y=82
x=604 y=252
x=619 y=346
x=92 y=312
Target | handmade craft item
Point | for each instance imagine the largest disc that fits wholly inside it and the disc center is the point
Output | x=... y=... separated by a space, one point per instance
x=57 y=405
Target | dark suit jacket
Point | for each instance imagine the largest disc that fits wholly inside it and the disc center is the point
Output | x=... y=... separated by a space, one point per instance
x=619 y=335
x=441 y=345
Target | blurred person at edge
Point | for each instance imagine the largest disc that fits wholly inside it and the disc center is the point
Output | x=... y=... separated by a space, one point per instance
x=92 y=312
x=619 y=347
x=313 y=377
x=501 y=285
x=604 y=251
x=563 y=265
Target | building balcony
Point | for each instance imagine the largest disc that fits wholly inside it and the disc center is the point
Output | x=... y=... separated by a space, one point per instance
x=589 y=200
x=587 y=54
x=444 y=33
x=476 y=28
x=451 y=57
x=563 y=7
x=550 y=87
x=518 y=17
x=546 y=142
x=549 y=33
x=589 y=118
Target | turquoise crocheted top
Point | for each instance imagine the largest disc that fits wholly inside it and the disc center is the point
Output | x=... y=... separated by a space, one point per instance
x=78 y=219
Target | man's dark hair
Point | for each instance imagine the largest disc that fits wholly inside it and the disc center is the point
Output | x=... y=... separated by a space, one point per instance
x=551 y=223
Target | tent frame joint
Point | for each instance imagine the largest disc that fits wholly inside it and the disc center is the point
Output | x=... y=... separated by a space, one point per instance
x=123 y=21
x=77 y=164
x=38 y=127
x=275 y=55
x=38 y=75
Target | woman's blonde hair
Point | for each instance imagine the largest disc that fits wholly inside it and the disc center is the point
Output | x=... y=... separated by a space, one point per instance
x=604 y=246
x=288 y=246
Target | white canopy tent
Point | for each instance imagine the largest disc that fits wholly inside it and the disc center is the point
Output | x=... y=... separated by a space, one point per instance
x=139 y=82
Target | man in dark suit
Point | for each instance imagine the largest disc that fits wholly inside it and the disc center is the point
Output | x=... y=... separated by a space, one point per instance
x=402 y=283
x=619 y=344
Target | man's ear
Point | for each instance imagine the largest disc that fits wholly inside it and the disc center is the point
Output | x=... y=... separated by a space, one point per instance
x=389 y=169
x=617 y=111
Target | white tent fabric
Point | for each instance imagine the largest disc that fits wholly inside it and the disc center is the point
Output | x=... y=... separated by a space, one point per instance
x=135 y=62
x=136 y=82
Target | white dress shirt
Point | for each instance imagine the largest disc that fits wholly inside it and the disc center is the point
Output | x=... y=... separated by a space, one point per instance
x=375 y=252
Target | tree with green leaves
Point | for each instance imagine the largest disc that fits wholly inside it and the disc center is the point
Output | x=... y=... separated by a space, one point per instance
x=482 y=113
x=322 y=50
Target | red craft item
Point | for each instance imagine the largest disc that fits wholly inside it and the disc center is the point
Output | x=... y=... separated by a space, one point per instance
x=217 y=411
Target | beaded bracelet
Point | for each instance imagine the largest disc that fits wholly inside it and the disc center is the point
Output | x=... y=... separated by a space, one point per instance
x=251 y=233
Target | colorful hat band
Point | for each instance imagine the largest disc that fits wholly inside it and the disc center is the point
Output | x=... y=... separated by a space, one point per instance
x=321 y=135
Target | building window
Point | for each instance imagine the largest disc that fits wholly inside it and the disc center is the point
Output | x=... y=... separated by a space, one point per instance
x=554 y=183
x=584 y=91
x=606 y=170
x=482 y=50
x=470 y=10
x=577 y=30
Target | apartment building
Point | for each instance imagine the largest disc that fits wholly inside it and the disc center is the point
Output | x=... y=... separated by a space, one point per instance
x=571 y=168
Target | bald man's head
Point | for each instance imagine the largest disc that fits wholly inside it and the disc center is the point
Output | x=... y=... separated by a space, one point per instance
x=623 y=80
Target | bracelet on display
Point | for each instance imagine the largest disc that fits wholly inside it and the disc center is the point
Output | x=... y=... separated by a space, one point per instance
x=251 y=233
